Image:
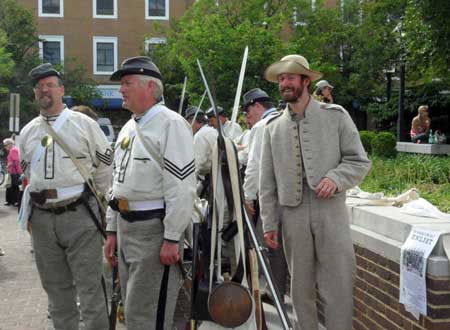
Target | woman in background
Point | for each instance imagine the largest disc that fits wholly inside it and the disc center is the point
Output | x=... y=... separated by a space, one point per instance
x=14 y=171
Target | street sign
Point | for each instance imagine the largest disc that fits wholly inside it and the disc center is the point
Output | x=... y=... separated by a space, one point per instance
x=14 y=111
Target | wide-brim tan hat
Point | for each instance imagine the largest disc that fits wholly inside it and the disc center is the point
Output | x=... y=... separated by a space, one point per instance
x=291 y=64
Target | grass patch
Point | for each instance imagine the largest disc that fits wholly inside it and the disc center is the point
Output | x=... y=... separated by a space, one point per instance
x=429 y=174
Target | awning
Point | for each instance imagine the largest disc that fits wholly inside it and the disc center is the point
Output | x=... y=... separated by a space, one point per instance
x=111 y=98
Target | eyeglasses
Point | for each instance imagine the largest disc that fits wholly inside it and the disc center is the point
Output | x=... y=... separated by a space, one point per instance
x=48 y=86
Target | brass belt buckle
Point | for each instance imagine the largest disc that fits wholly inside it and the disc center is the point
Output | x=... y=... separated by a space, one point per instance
x=51 y=194
x=124 y=206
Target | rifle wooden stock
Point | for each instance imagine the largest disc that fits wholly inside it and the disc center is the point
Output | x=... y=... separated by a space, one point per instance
x=255 y=287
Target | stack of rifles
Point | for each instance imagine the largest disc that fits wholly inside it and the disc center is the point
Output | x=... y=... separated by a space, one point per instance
x=219 y=299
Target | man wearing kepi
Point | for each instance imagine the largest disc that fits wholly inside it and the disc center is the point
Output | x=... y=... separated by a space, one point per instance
x=205 y=138
x=153 y=193
x=311 y=154
x=259 y=110
x=66 y=241
x=229 y=129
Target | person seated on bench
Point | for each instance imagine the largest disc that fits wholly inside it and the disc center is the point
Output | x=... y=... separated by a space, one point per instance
x=420 y=126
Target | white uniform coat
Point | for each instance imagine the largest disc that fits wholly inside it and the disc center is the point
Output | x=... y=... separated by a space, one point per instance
x=55 y=169
x=243 y=140
x=231 y=130
x=204 y=141
x=139 y=178
x=251 y=180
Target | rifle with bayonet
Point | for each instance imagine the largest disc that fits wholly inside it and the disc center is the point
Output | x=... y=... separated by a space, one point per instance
x=224 y=151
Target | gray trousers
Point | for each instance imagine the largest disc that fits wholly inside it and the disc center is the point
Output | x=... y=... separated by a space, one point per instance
x=277 y=261
x=319 y=249
x=141 y=271
x=68 y=251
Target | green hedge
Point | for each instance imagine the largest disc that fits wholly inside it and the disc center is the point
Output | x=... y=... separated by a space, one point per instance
x=367 y=138
x=380 y=144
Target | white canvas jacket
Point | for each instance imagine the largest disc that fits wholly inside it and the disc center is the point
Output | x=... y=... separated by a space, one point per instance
x=55 y=169
x=170 y=177
x=251 y=179
x=231 y=130
x=242 y=140
x=204 y=141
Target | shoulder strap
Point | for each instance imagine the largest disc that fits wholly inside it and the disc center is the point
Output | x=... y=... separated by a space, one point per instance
x=81 y=169
x=150 y=152
x=59 y=122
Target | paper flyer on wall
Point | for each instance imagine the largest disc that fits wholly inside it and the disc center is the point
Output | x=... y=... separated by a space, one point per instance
x=413 y=268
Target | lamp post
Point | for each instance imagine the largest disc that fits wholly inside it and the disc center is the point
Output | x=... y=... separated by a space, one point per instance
x=401 y=96
x=401 y=104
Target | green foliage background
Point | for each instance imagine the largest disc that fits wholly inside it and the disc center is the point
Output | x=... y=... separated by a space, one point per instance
x=429 y=174
x=19 y=54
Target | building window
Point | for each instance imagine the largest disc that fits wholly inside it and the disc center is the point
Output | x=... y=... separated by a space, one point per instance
x=104 y=8
x=51 y=49
x=157 y=9
x=105 y=55
x=51 y=8
x=152 y=43
x=300 y=13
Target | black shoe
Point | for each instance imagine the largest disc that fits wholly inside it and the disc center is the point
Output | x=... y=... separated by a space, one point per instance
x=7 y=204
x=2 y=253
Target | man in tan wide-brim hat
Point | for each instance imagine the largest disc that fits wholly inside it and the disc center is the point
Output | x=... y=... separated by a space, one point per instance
x=311 y=154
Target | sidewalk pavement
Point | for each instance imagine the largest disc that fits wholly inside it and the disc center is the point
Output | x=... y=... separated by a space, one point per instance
x=23 y=302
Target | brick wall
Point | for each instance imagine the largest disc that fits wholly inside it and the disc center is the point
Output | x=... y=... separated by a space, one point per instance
x=376 y=297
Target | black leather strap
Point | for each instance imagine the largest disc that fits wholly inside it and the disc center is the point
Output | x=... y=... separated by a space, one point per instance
x=161 y=311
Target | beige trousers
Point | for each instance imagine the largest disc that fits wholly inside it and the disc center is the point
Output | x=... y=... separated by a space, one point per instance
x=141 y=272
x=68 y=251
x=319 y=250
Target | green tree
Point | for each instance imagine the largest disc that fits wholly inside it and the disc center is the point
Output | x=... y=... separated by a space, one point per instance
x=348 y=45
x=19 y=39
x=77 y=84
x=21 y=42
x=6 y=64
x=217 y=36
x=426 y=36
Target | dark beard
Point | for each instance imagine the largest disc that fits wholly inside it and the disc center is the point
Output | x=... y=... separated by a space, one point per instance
x=294 y=97
x=46 y=103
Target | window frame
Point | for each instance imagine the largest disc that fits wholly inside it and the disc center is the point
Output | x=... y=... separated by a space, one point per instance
x=161 y=18
x=95 y=15
x=154 y=41
x=296 y=12
x=51 y=38
x=99 y=39
x=42 y=14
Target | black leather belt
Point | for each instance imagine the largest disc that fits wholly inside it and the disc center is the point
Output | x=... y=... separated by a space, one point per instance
x=133 y=216
x=61 y=209
x=40 y=197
